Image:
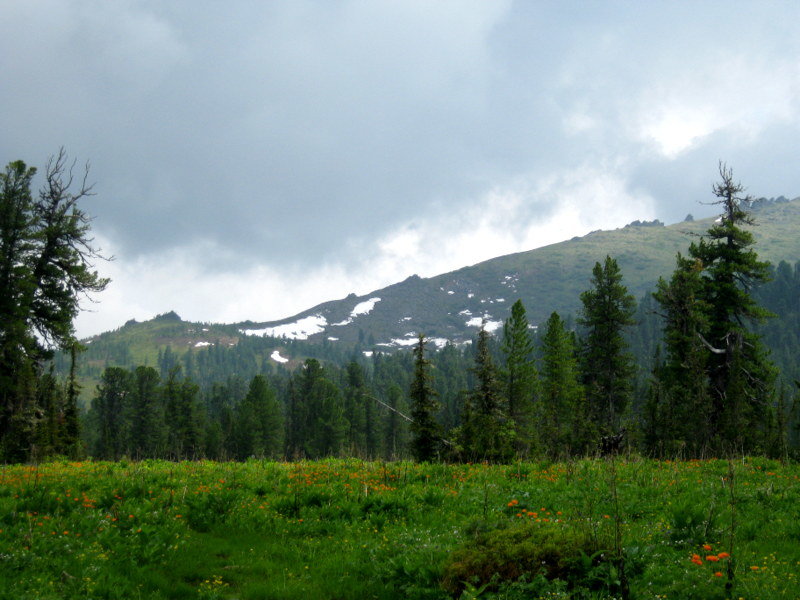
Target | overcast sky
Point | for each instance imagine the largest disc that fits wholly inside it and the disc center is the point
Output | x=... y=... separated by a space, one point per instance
x=252 y=159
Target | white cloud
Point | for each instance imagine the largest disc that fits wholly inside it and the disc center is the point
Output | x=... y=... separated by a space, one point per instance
x=744 y=94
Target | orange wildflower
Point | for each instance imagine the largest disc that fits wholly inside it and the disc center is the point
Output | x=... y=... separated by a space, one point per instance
x=712 y=558
x=706 y=547
x=717 y=574
x=724 y=555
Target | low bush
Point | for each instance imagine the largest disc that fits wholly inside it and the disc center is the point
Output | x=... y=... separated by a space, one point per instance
x=524 y=551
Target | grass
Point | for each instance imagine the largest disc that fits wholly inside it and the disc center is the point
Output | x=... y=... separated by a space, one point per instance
x=350 y=529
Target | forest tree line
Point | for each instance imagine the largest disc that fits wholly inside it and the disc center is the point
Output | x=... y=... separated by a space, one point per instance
x=683 y=373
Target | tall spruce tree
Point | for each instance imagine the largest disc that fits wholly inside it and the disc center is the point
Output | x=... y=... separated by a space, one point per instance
x=183 y=416
x=607 y=366
x=519 y=378
x=356 y=405
x=259 y=423
x=487 y=433
x=678 y=411
x=562 y=414
x=69 y=443
x=148 y=430
x=741 y=377
x=111 y=406
x=317 y=423
x=426 y=432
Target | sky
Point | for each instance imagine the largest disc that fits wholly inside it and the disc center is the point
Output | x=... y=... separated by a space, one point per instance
x=253 y=159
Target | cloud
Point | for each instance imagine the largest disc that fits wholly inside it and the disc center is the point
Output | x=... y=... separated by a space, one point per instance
x=293 y=152
x=180 y=280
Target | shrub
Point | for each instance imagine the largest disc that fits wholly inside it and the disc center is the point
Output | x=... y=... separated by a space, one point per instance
x=501 y=556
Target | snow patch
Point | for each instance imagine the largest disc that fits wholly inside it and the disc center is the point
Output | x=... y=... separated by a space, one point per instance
x=367 y=353
x=333 y=339
x=451 y=292
x=363 y=308
x=490 y=325
x=466 y=312
x=201 y=344
x=299 y=330
x=404 y=341
x=404 y=319
x=410 y=341
x=500 y=300
x=276 y=356
x=470 y=295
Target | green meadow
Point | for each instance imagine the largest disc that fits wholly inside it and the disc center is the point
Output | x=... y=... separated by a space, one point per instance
x=339 y=529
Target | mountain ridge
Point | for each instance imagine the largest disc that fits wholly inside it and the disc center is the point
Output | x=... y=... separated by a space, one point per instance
x=451 y=306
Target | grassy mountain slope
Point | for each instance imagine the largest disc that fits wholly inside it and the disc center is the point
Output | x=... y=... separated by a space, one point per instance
x=451 y=305
x=546 y=279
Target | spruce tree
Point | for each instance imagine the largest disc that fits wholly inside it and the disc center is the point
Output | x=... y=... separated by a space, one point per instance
x=111 y=406
x=147 y=416
x=679 y=406
x=487 y=431
x=69 y=443
x=425 y=430
x=49 y=400
x=562 y=413
x=259 y=422
x=519 y=377
x=741 y=377
x=356 y=404
x=317 y=423
x=607 y=366
x=329 y=431
x=184 y=422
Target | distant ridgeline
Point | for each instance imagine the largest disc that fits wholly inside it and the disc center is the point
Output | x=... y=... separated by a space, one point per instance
x=653 y=223
x=759 y=203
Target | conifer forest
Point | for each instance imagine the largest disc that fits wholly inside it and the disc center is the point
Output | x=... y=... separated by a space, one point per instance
x=704 y=366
